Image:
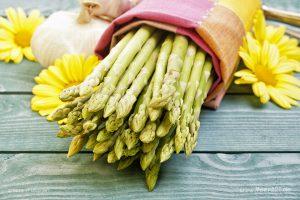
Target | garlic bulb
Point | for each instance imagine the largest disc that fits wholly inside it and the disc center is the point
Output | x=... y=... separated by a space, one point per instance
x=61 y=34
x=106 y=9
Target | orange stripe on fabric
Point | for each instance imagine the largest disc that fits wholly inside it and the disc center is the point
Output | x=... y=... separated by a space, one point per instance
x=245 y=9
x=223 y=31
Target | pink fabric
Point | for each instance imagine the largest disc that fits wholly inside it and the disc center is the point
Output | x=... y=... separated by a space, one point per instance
x=186 y=15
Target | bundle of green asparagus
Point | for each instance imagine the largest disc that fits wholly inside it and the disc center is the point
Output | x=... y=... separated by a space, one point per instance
x=142 y=101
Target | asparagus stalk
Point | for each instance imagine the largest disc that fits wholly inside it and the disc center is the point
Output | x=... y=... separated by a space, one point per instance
x=63 y=111
x=130 y=138
x=139 y=118
x=92 y=80
x=174 y=67
x=100 y=97
x=147 y=147
x=111 y=157
x=159 y=73
x=164 y=127
x=152 y=174
x=103 y=147
x=148 y=133
x=182 y=130
x=113 y=123
x=77 y=144
x=132 y=152
x=146 y=158
x=119 y=147
x=125 y=105
x=205 y=85
x=132 y=71
x=103 y=135
x=91 y=142
x=126 y=162
x=175 y=104
x=166 y=146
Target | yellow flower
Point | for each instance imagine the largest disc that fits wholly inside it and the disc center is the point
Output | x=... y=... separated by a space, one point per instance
x=276 y=35
x=16 y=33
x=270 y=75
x=68 y=71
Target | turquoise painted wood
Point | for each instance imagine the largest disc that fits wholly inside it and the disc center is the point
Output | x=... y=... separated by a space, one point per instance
x=241 y=124
x=33 y=164
x=201 y=177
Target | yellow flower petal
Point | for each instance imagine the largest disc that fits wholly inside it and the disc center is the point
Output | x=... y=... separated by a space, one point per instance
x=241 y=81
x=295 y=91
x=13 y=18
x=58 y=73
x=46 y=90
x=6 y=25
x=6 y=36
x=46 y=112
x=260 y=90
x=244 y=72
x=278 y=97
x=284 y=69
x=46 y=103
x=28 y=53
x=6 y=45
x=288 y=79
x=50 y=79
x=247 y=60
x=16 y=55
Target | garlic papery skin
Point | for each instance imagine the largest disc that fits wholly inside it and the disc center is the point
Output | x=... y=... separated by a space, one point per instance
x=61 y=34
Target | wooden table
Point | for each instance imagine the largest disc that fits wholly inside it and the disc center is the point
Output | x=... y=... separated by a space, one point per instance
x=245 y=150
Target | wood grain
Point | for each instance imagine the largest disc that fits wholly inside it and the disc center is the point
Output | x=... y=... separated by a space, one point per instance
x=241 y=124
x=45 y=6
x=202 y=176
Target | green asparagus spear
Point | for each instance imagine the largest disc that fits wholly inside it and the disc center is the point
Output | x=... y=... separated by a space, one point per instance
x=63 y=111
x=152 y=174
x=182 y=130
x=159 y=73
x=148 y=157
x=111 y=157
x=103 y=135
x=103 y=147
x=119 y=147
x=164 y=127
x=113 y=123
x=132 y=152
x=147 y=147
x=205 y=85
x=126 y=162
x=148 y=133
x=91 y=142
x=92 y=80
x=100 y=97
x=139 y=118
x=132 y=71
x=175 y=104
x=127 y=101
x=172 y=76
x=130 y=138
x=77 y=144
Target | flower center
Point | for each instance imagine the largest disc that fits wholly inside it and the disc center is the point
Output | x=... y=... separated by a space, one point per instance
x=23 y=38
x=265 y=75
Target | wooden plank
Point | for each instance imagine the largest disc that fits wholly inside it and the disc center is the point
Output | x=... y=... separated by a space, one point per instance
x=202 y=176
x=19 y=78
x=45 y=6
x=241 y=124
